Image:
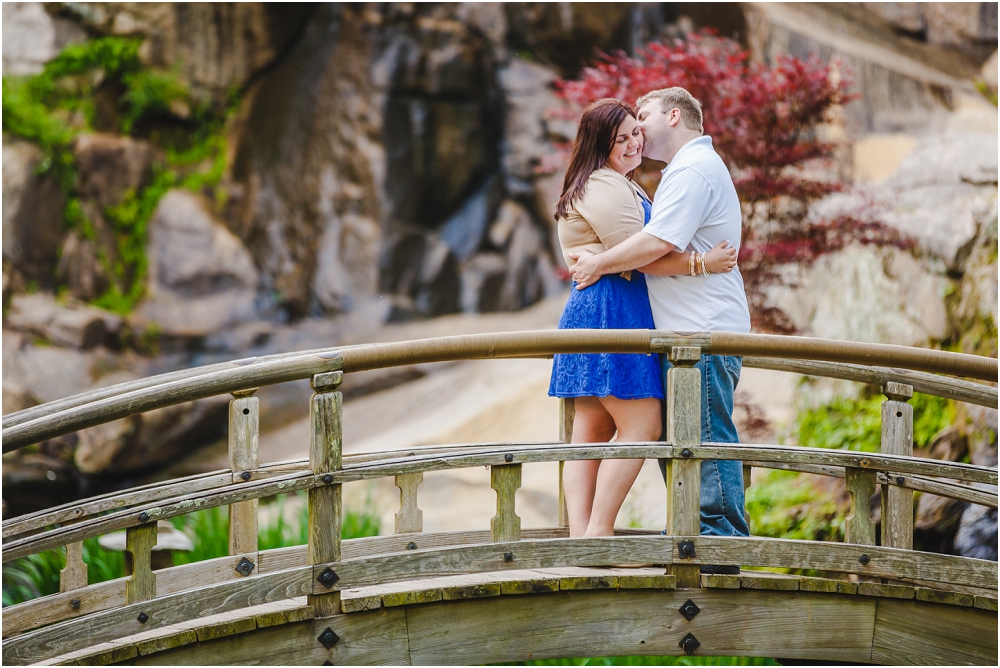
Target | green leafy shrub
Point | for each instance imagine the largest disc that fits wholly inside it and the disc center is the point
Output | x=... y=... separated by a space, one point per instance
x=856 y=424
x=38 y=574
x=782 y=504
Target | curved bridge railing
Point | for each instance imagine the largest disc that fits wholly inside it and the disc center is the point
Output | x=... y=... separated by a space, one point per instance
x=83 y=617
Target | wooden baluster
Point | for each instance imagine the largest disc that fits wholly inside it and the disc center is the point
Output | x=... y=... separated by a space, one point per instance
x=747 y=474
x=897 y=439
x=683 y=474
x=74 y=575
x=409 y=519
x=567 y=411
x=325 y=502
x=505 y=525
x=139 y=542
x=244 y=434
x=859 y=528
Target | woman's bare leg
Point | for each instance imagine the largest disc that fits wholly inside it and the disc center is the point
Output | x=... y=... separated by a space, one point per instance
x=591 y=424
x=637 y=420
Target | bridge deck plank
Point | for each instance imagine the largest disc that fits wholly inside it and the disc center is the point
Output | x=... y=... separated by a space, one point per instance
x=629 y=622
x=917 y=633
x=431 y=590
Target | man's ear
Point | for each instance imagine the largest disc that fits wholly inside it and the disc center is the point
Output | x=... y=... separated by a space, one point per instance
x=674 y=117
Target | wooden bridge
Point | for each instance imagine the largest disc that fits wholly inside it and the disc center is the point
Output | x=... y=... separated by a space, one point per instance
x=474 y=597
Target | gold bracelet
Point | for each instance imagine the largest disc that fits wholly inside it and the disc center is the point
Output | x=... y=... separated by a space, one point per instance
x=692 y=271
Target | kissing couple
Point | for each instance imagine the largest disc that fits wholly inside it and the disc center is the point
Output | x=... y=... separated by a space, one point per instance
x=668 y=263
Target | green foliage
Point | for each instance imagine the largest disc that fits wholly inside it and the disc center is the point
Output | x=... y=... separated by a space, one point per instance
x=38 y=574
x=782 y=504
x=651 y=661
x=33 y=576
x=51 y=108
x=856 y=424
x=129 y=220
x=987 y=92
x=209 y=529
x=150 y=91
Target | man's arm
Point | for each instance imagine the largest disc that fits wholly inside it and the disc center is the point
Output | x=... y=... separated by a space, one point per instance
x=636 y=251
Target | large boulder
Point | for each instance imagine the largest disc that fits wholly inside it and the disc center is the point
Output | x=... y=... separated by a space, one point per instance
x=32 y=37
x=71 y=325
x=864 y=294
x=201 y=277
x=528 y=96
x=80 y=268
x=346 y=262
x=33 y=212
x=974 y=313
x=943 y=192
x=111 y=165
x=149 y=440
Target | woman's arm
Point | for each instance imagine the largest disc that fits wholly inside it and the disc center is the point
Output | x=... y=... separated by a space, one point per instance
x=608 y=205
x=720 y=260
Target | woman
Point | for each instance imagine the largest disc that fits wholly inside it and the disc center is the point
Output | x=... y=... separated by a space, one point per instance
x=600 y=207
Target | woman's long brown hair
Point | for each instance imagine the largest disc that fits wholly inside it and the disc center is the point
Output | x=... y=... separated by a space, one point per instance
x=592 y=147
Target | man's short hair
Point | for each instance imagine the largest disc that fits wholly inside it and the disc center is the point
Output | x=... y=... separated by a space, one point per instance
x=678 y=98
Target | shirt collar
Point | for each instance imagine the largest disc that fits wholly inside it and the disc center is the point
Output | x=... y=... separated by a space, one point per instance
x=704 y=141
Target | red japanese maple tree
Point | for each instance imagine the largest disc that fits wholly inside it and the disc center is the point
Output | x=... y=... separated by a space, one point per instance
x=766 y=122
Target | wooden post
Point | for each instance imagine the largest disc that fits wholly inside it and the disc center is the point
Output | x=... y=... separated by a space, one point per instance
x=897 y=439
x=74 y=575
x=244 y=433
x=326 y=502
x=859 y=528
x=683 y=474
x=567 y=411
x=409 y=519
x=139 y=542
x=505 y=525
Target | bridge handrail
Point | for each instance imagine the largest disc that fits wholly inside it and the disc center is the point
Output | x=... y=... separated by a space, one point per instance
x=224 y=478
x=178 y=387
x=403 y=462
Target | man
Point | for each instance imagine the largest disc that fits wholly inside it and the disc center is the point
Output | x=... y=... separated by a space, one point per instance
x=695 y=207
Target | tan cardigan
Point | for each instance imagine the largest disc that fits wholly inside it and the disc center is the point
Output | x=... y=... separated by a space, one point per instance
x=607 y=213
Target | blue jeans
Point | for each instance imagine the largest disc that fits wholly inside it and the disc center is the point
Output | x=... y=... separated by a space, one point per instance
x=721 y=480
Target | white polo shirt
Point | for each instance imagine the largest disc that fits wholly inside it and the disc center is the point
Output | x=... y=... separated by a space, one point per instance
x=696 y=207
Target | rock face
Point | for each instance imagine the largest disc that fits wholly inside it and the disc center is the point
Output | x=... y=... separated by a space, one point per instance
x=316 y=213
x=944 y=197
x=201 y=277
x=214 y=46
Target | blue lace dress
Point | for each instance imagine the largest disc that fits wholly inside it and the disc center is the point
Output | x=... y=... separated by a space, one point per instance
x=611 y=303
